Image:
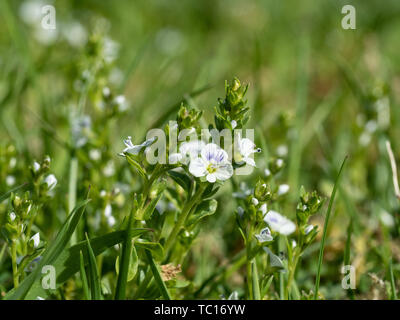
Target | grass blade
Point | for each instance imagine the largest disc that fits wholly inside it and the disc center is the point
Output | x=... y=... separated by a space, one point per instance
x=94 y=278
x=254 y=278
x=126 y=253
x=84 y=277
x=328 y=214
x=392 y=282
x=157 y=277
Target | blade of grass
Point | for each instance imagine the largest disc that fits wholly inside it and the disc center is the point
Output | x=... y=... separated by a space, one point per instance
x=126 y=253
x=8 y=193
x=392 y=282
x=94 y=278
x=256 y=284
x=328 y=214
x=51 y=253
x=84 y=277
x=347 y=252
x=157 y=276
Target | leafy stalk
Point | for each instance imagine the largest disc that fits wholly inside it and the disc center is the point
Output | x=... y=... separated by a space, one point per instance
x=328 y=214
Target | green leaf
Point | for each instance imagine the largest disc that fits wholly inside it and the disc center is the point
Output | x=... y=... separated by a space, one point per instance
x=182 y=179
x=156 y=249
x=93 y=273
x=126 y=253
x=157 y=276
x=136 y=166
x=84 y=277
x=204 y=209
x=68 y=262
x=51 y=253
x=133 y=265
x=8 y=193
x=149 y=209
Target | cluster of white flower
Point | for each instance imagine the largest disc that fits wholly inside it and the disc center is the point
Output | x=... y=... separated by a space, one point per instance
x=204 y=160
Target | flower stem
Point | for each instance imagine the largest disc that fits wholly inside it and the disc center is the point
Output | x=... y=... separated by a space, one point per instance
x=182 y=218
x=14 y=263
x=292 y=270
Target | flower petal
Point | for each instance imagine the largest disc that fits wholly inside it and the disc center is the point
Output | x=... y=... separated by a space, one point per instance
x=198 y=167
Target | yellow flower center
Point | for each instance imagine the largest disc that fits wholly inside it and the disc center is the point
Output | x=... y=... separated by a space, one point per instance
x=211 y=168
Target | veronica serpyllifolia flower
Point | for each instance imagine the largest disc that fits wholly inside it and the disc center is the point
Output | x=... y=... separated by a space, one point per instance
x=51 y=181
x=279 y=223
x=135 y=149
x=244 y=148
x=213 y=164
x=35 y=240
x=264 y=235
x=187 y=151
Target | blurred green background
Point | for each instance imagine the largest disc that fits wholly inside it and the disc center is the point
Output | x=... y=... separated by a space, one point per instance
x=317 y=91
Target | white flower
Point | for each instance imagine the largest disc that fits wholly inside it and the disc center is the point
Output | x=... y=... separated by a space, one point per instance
x=254 y=201
x=36 y=240
x=135 y=149
x=10 y=180
x=283 y=189
x=95 y=154
x=240 y=211
x=263 y=208
x=108 y=210
x=12 y=216
x=187 y=151
x=51 y=181
x=233 y=124
x=265 y=235
x=110 y=221
x=244 y=148
x=267 y=172
x=308 y=229
x=36 y=166
x=213 y=164
x=279 y=223
x=40 y=298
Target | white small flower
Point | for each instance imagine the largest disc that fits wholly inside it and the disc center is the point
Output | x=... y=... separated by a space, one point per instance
x=111 y=221
x=109 y=169
x=265 y=235
x=283 y=189
x=135 y=149
x=51 y=181
x=263 y=208
x=279 y=162
x=36 y=240
x=187 y=151
x=108 y=210
x=244 y=148
x=36 y=166
x=95 y=154
x=279 y=223
x=267 y=172
x=213 y=164
x=294 y=243
x=308 y=229
x=10 y=180
x=12 y=163
x=282 y=150
x=233 y=124
x=233 y=296
x=254 y=201
x=121 y=103
x=240 y=211
x=12 y=216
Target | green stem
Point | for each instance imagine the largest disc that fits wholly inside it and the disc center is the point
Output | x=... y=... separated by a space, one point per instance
x=182 y=218
x=249 y=264
x=73 y=180
x=292 y=271
x=14 y=263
